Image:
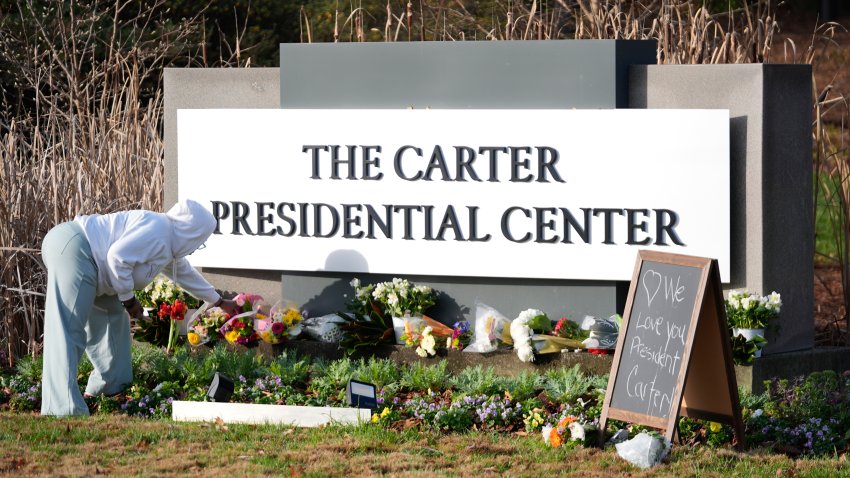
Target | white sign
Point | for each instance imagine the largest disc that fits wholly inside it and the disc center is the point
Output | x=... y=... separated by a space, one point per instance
x=564 y=194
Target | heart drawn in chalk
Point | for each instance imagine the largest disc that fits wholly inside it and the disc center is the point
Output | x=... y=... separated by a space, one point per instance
x=651 y=284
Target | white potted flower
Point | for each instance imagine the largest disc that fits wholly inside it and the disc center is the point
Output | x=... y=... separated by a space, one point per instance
x=750 y=314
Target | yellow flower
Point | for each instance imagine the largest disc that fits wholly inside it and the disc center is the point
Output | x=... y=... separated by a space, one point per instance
x=261 y=316
x=194 y=338
x=232 y=336
x=714 y=427
x=375 y=418
x=385 y=412
x=292 y=316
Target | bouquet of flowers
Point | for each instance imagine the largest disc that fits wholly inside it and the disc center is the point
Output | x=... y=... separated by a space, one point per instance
x=284 y=322
x=490 y=330
x=460 y=337
x=206 y=325
x=568 y=329
x=532 y=333
x=567 y=429
x=248 y=302
x=427 y=343
x=238 y=331
x=164 y=301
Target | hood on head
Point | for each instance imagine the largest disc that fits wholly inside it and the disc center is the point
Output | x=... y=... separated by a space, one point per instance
x=191 y=226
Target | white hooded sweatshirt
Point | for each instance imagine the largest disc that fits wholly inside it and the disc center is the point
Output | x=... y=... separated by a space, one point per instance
x=130 y=248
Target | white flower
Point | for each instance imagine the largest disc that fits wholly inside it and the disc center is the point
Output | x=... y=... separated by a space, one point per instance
x=774 y=302
x=526 y=315
x=525 y=353
x=576 y=431
x=746 y=302
x=421 y=352
x=547 y=432
x=428 y=342
x=355 y=283
x=758 y=413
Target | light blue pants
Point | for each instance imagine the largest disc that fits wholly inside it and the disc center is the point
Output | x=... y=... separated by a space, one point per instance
x=77 y=320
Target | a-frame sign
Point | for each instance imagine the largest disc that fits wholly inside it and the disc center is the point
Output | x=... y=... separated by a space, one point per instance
x=673 y=355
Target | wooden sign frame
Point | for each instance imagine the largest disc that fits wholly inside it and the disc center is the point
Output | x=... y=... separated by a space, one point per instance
x=705 y=389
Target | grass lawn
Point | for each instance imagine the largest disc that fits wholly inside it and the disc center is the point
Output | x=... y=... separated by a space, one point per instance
x=121 y=445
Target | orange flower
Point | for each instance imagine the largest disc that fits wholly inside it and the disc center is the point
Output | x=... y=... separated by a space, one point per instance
x=566 y=421
x=555 y=438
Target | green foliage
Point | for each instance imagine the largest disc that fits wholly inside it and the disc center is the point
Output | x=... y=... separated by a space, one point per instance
x=744 y=351
x=383 y=373
x=84 y=369
x=565 y=385
x=525 y=385
x=329 y=380
x=29 y=368
x=151 y=365
x=478 y=380
x=420 y=377
x=811 y=414
x=365 y=332
x=290 y=368
x=232 y=364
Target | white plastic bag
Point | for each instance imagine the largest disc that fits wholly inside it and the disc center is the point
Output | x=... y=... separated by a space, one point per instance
x=490 y=329
x=644 y=450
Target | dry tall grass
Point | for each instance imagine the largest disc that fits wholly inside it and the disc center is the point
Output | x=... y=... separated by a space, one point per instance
x=79 y=138
x=91 y=140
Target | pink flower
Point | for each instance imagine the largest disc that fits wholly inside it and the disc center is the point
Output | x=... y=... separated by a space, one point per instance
x=247 y=299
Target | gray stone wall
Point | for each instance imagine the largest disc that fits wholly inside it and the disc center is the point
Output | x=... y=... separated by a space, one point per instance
x=771 y=166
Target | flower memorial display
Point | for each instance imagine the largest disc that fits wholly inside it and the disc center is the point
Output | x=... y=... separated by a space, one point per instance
x=380 y=313
x=283 y=323
x=207 y=325
x=807 y=416
x=366 y=324
x=163 y=301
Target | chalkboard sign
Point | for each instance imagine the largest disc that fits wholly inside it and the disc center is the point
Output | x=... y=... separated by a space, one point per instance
x=673 y=313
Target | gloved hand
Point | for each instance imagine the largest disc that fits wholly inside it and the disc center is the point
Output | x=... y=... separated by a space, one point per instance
x=134 y=308
x=230 y=307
